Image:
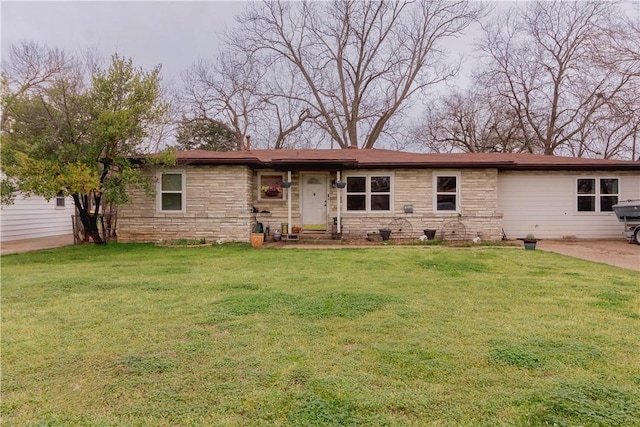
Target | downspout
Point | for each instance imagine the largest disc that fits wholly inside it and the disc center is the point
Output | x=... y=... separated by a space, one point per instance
x=289 y=203
x=338 y=197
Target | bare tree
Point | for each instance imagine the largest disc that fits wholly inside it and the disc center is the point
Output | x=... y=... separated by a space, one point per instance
x=553 y=64
x=237 y=89
x=355 y=65
x=28 y=68
x=626 y=41
x=469 y=122
x=31 y=65
x=612 y=132
x=224 y=89
x=626 y=111
x=286 y=118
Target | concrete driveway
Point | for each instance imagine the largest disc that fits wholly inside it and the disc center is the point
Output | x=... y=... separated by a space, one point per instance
x=26 y=245
x=613 y=252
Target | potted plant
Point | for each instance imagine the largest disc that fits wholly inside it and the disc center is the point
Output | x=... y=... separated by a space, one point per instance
x=285 y=184
x=530 y=242
x=272 y=190
x=257 y=235
x=341 y=184
x=385 y=233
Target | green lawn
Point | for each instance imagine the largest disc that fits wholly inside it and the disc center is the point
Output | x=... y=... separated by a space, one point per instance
x=397 y=336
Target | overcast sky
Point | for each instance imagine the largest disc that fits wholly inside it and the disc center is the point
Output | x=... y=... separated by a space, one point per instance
x=174 y=34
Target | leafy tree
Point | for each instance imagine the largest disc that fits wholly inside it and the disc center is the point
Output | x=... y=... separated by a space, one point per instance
x=74 y=134
x=205 y=134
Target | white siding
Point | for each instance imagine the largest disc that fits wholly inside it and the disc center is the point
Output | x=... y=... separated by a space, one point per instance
x=34 y=217
x=544 y=204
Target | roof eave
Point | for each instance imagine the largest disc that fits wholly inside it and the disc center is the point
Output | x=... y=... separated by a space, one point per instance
x=437 y=165
x=311 y=164
x=239 y=161
x=573 y=167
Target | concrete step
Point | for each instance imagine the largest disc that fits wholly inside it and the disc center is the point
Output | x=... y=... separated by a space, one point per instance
x=316 y=238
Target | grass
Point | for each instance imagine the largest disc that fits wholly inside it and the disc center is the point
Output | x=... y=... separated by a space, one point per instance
x=139 y=335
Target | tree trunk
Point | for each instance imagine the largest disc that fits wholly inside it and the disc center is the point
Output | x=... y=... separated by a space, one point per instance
x=89 y=221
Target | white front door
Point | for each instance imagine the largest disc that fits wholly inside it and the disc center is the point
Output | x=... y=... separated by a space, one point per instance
x=314 y=199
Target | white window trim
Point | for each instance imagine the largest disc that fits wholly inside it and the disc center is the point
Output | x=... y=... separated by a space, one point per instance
x=597 y=194
x=368 y=192
x=438 y=174
x=259 y=185
x=64 y=202
x=159 y=174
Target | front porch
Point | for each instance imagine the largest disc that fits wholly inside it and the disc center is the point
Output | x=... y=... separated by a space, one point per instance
x=293 y=202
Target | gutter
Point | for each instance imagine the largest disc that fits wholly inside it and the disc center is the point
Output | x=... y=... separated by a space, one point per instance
x=571 y=167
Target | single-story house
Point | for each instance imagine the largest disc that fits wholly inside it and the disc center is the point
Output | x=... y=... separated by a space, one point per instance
x=220 y=196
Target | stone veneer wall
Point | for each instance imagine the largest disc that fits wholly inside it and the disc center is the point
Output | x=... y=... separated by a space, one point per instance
x=220 y=201
x=218 y=208
x=478 y=203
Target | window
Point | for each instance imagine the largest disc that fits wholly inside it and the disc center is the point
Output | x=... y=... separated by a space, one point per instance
x=60 y=200
x=270 y=186
x=597 y=194
x=172 y=192
x=608 y=194
x=369 y=193
x=447 y=194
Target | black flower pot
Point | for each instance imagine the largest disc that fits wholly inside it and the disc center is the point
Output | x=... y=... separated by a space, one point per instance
x=430 y=233
x=385 y=233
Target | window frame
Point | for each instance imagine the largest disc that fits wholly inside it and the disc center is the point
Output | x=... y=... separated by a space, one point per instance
x=61 y=200
x=160 y=192
x=597 y=194
x=262 y=195
x=368 y=193
x=442 y=174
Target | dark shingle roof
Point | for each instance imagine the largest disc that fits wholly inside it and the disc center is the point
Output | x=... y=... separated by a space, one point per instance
x=378 y=158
